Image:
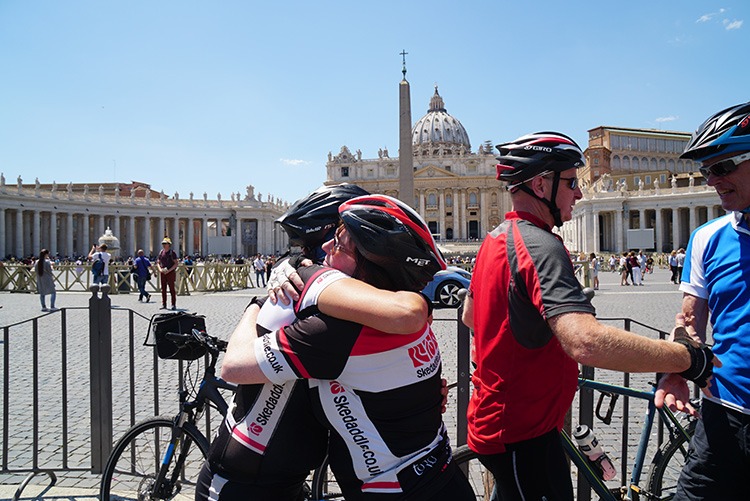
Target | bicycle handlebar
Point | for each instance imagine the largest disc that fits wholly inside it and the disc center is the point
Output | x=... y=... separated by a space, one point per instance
x=213 y=343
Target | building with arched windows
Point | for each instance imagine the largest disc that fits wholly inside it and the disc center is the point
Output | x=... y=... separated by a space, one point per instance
x=634 y=180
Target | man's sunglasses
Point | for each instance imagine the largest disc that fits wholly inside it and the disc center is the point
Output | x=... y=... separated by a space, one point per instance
x=724 y=167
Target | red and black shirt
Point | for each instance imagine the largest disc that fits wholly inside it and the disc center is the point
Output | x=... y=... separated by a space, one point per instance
x=524 y=382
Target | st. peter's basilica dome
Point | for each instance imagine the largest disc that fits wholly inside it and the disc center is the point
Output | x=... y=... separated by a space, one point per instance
x=438 y=129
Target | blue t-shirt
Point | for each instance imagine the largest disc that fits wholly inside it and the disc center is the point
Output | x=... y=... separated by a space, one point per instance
x=142 y=264
x=717 y=268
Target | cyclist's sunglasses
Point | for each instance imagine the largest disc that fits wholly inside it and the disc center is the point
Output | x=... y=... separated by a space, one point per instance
x=724 y=167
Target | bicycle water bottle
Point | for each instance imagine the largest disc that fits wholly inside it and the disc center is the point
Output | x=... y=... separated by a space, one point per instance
x=589 y=445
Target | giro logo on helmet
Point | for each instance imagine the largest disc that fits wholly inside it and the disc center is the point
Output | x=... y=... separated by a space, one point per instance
x=418 y=261
x=545 y=149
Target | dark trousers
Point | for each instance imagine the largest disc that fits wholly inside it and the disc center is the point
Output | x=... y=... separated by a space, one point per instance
x=533 y=469
x=141 y=281
x=674 y=274
x=168 y=280
x=718 y=460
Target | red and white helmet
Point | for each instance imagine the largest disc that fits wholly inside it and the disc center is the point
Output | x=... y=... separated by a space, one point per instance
x=392 y=235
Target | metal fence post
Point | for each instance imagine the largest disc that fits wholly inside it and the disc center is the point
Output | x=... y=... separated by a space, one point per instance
x=585 y=416
x=463 y=374
x=100 y=362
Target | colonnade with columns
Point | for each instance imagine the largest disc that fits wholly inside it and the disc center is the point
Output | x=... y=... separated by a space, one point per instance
x=29 y=223
x=600 y=223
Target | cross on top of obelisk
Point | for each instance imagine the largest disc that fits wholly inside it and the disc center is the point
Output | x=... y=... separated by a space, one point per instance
x=403 y=56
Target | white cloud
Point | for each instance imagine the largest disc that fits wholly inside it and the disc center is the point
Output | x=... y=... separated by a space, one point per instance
x=670 y=118
x=291 y=161
x=709 y=16
x=732 y=25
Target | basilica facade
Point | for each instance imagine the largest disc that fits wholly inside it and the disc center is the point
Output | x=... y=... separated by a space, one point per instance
x=455 y=189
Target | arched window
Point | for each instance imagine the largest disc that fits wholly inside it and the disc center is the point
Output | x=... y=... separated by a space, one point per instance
x=616 y=162
x=636 y=164
x=473 y=199
x=493 y=199
x=431 y=199
x=670 y=165
x=626 y=163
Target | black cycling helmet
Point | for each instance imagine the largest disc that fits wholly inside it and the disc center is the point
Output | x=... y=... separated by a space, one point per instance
x=310 y=221
x=727 y=131
x=536 y=155
x=392 y=235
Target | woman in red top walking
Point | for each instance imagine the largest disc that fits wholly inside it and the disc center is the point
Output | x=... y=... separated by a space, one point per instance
x=167 y=263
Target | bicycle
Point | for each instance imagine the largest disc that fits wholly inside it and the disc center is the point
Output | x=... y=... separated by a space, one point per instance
x=160 y=457
x=665 y=465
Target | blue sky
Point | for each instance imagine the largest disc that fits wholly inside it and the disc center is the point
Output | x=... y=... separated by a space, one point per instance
x=215 y=95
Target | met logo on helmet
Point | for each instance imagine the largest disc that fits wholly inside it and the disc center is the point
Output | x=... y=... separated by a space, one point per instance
x=545 y=149
x=418 y=261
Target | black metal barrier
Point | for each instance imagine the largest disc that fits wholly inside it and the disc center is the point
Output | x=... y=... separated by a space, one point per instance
x=122 y=387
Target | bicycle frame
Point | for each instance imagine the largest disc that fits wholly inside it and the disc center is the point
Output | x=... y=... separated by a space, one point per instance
x=587 y=469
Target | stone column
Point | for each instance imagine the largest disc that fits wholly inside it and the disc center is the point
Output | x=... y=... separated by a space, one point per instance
x=190 y=243
x=148 y=242
x=116 y=231
x=85 y=247
x=456 y=221
x=160 y=231
x=619 y=244
x=237 y=232
x=462 y=228
x=69 y=234
x=176 y=234
x=642 y=219
x=52 y=233
x=132 y=240
x=441 y=212
x=36 y=230
x=100 y=227
x=204 y=236
x=19 y=234
x=484 y=214
x=595 y=237
x=711 y=212
x=675 y=228
x=422 y=204
x=659 y=230
x=693 y=217
x=3 y=240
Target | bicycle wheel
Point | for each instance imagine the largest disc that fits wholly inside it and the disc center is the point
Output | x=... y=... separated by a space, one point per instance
x=324 y=485
x=667 y=465
x=135 y=462
x=480 y=479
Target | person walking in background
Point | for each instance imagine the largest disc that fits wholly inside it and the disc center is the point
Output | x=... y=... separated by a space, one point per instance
x=635 y=269
x=260 y=270
x=45 y=282
x=142 y=274
x=594 y=267
x=680 y=263
x=673 y=266
x=167 y=263
x=269 y=266
x=100 y=271
x=624 y=274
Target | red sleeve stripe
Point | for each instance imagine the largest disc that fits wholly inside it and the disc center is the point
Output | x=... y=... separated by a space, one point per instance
x=289 y=352
x=308 y=284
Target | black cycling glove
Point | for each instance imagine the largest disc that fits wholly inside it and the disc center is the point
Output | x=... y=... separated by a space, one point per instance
x=701 y=365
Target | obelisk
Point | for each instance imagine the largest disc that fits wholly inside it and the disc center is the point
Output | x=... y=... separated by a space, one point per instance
x=405 y=155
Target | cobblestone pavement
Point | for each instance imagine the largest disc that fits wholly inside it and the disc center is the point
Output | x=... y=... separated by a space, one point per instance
x=653 y=304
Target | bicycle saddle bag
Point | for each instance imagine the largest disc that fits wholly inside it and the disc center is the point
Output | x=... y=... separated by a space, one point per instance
x=178 y=323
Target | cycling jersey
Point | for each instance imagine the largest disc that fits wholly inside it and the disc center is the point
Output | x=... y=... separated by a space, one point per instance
x=270 y=438
x=524 y=382
x=378 y=394
x=716 y=270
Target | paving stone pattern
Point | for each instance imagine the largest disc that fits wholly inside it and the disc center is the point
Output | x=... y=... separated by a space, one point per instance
x=653 y=304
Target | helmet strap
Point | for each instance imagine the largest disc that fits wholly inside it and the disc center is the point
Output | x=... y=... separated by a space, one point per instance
x=553 y=209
